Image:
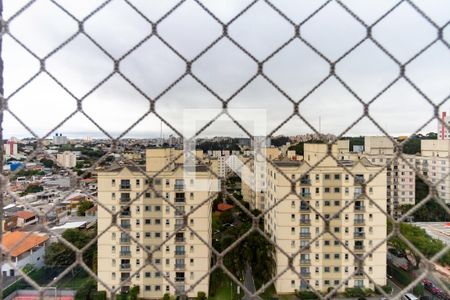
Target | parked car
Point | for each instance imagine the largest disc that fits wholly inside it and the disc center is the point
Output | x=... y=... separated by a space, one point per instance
x=395 y=252
x=433 y=289
x=409 y=296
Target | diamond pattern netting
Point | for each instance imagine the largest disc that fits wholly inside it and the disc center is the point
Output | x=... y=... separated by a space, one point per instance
x=297 y=35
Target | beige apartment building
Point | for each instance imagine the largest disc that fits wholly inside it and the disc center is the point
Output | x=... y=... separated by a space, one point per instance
x=295 y=224
x=152 y=220
x=254 y=177
x=400 y=177
x=66 y=159
x=434 y=163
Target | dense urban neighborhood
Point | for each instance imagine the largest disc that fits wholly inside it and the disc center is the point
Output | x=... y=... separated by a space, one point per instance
x=63 y=199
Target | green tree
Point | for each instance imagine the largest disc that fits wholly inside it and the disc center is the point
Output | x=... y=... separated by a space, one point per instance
x=299 y=148
x=48 y=163
x=58 y=254
x=226 y=217
x=134 y=292
x=83 y=206
x=431 y=211
x=280 y=141
x=427 y=245
x=31 y=189
x=87 y=290
x=254 y=250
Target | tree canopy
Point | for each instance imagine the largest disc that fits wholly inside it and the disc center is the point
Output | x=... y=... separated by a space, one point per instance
x=83 y=206
x=427 y=245
x=58 y=254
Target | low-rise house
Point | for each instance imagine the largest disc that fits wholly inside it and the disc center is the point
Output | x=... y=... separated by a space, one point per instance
x=26 y=218
x=24 y=249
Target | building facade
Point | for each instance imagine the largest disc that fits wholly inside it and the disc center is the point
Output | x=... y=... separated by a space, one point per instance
x=156 y=220
x=10 y=148
x=67 y=159
x=296 y=224
x=26 y=249
x=59 y=139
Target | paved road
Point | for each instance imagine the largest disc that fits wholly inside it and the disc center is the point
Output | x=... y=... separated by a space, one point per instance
x=249 y=283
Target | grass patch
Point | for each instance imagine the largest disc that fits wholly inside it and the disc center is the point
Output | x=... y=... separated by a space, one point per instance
x=74 y=283
x=227 y=290
x=269 y=293
x=45 y=275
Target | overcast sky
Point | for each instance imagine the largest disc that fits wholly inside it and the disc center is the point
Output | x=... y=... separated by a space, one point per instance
x=296 y=69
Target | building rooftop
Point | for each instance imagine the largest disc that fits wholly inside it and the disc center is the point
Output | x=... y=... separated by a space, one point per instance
x=224 y=206
x=25 y=214
x=287 y=163
x=21 y=242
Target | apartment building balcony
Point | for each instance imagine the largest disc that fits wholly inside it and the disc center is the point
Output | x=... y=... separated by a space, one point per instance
x=305 y=195
x=359 y=221
x=179 y=186
x=125 y=187
x=359 y=180
x=305 y=181
x=125 y=266
x=180 y=266
x=305 y=221
x=180 y=253
x=305 y=207
x=306 y=248
x=359 y=235
x=305 y=274
x=125 y=240
x=125 y=214
x=360 y=208
x=358 y=194
x=359 y=275
x=125 y=199
x=179 y=289
x=125 y=225
x=125 y=280
x=305 y=235
x=179 y=213
x=125 y=253
x=179 y=279
x=359 y=248
x=178 y=226
x=305 y=262
x=180 y=199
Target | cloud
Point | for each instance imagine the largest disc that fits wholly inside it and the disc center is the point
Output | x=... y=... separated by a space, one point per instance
x=296 y=69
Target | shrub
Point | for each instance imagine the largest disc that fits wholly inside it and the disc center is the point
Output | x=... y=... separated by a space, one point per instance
x=403 y=277
x=387 y=288
x=166 y=297
x=418 y=290
x=101 y=295
x=201 y=296
x=306 y=295
x=86 y=290
x=355 y=292
x=134 y=292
